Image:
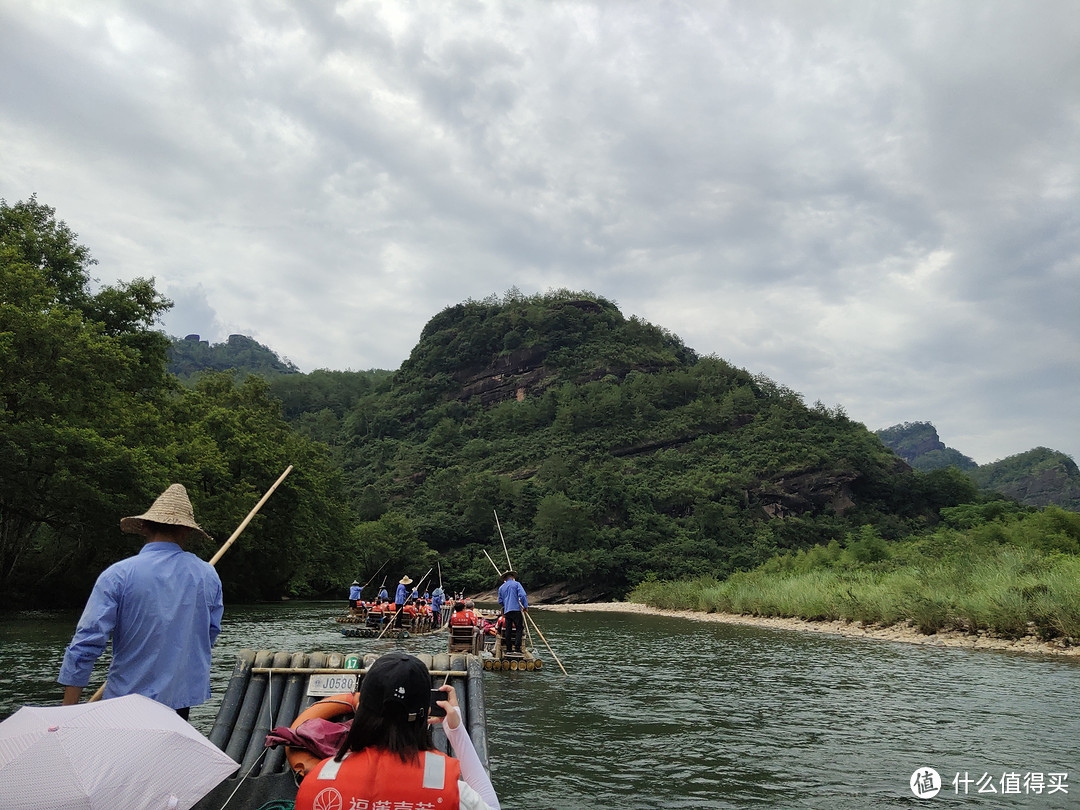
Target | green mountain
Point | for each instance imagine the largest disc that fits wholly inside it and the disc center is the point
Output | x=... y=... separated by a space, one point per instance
x=241 y=354
x=918 y=444
x=609 y=450
x=1039 y=477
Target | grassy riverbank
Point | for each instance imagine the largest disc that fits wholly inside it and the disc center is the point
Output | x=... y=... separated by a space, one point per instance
x=1009 y=574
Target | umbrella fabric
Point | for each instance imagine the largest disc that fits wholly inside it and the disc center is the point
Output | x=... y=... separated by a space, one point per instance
x=127 y=753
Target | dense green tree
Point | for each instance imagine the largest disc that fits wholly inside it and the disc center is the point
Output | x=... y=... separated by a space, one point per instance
x=92 y=428
x=234 y=446
x=81 y=379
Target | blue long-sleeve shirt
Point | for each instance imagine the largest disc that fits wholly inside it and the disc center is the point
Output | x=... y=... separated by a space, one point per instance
x=163 y=610
x=355 y=591
x=512 y=596
x=401 y=595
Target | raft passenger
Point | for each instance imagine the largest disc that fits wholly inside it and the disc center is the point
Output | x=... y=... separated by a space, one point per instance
x=388 y=758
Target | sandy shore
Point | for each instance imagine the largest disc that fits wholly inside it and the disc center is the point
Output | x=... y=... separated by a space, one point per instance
x=905 y=632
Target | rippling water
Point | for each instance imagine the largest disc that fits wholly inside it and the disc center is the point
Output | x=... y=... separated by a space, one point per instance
x=660 y=712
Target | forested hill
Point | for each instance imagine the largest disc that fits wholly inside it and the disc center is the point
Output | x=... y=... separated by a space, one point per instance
x=610 y=451
x=191 y=356
x=1038 y=477
x=918 y=444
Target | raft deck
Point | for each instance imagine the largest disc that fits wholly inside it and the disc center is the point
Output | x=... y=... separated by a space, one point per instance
x=267 y=684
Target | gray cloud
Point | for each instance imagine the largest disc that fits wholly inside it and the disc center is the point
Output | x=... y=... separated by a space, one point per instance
x=874 y=204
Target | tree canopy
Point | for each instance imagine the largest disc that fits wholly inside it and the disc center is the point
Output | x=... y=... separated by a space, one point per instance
x=93 y=428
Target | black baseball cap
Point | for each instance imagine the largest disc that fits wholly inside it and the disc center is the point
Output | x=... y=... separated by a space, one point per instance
x=397 y=685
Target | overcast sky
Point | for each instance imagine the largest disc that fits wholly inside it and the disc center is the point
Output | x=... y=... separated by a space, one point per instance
x=874 y=203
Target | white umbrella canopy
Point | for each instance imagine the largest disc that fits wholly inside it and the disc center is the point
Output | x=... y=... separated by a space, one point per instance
x=127 y=753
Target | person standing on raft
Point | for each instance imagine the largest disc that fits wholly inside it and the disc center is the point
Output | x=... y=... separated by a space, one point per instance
x=437 y=597
x=400 y=597
x=388 y=758
x=354 y=594
x=514 y=604
x=162 y=608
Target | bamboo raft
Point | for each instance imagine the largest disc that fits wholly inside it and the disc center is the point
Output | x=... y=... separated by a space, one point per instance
x=268 y=684
x=469 y=639
x=393 y=632
x=375 y=626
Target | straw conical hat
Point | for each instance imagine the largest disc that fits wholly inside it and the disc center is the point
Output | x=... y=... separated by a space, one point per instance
x=405 y=580
x=172 y=507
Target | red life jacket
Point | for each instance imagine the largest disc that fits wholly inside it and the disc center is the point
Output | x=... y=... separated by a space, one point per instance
x=376 y=775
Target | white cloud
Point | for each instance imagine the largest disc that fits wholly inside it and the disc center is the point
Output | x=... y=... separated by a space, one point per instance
x=873 y=204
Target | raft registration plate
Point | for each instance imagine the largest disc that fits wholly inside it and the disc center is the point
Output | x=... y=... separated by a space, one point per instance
x=323 y=685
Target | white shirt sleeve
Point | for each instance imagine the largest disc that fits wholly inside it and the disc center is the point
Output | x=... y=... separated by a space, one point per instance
x=469 y=799
x=472 y=771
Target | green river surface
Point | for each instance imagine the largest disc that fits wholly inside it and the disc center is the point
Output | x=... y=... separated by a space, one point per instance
x=670 y=713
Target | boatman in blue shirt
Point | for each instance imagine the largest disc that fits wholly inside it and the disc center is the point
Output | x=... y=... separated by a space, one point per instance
x=382 y=592
x=354 y=593
x=399 y=598
x=162 y=608
x=437 y=599
x=514 y=604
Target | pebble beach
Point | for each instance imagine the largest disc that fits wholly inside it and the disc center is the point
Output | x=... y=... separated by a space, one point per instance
x=899 y=632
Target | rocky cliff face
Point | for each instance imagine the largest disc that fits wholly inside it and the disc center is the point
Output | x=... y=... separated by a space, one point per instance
x=514 y=376
x=1038 y=477
x=811 y=492
x=919 y=445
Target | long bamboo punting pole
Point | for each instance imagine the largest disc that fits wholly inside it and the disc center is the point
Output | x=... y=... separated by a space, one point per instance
x=247 y=520
x=510 y=567
x=557 y=661
x=381 y=567
x=213 y=560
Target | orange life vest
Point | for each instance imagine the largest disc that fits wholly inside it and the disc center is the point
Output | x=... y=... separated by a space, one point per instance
x=462 y=617
x=365 y=778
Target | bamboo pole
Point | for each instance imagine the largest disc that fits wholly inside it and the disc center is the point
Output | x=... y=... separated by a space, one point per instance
x=497 y=571
x=213 y=560
x=510 y=567
x=453 y=673
x=557 y=661
x=381 y=567
x=247 y=520
x=527 y=616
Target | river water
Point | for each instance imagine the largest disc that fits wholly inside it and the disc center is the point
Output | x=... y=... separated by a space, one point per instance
x=664 y=712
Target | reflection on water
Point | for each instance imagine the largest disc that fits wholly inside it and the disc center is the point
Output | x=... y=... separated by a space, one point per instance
x=660 y=712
